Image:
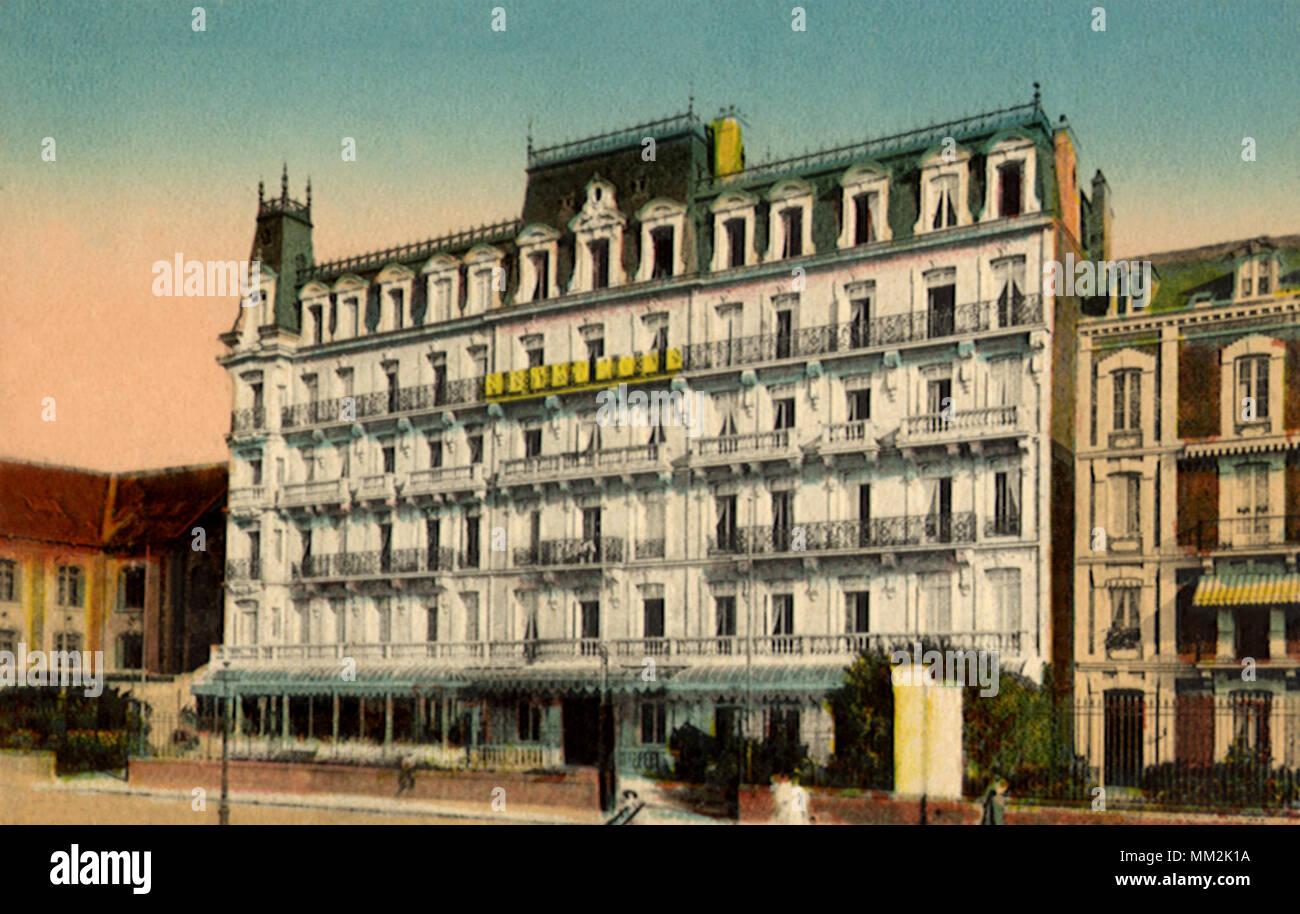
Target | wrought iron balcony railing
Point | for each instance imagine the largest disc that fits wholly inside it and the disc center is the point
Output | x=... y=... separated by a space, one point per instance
x=248 y=420
x=576 y=551
x=884 y=330
x=824 y=536
x=1244 y=532
x=243 y=570
x=1002 y=525
x=382 y=403
x=650 y=549
x=613 y=459
x=378 y=562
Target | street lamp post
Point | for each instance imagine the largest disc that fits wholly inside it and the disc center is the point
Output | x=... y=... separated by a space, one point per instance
x=605 y=753
x=223 y=814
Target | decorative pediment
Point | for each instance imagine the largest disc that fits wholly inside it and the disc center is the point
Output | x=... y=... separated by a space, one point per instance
x=350 y=282
x=441 y=263
x=394 y=272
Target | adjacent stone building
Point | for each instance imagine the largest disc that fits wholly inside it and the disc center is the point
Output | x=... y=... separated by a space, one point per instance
x=1188 y=634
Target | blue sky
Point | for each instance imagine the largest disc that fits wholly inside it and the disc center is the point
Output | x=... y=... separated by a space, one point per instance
x=163 y=133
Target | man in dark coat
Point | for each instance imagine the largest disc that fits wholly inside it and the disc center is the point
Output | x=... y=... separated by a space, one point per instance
x=995 y=803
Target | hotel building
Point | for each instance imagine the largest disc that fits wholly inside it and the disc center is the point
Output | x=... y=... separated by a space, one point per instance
x=433 y=537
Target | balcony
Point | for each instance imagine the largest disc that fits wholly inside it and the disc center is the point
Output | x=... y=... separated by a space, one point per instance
x=444 y=479
x=642 y=458
x=846 y=536
x=380 y=487
x=961 y=426
x=883 y=331
x=849 y=436
x=1244 y=532
x=650 y=549
x=248 y=497
x=243 y=570
x=624 y=651
x=248 y=421
x=594 y=551
x=374 y=563
x=317 y=492
x=1002 y=525
x=382 y=403
x=727 y=449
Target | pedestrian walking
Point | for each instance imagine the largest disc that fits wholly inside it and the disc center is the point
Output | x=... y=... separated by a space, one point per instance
x=995 y=803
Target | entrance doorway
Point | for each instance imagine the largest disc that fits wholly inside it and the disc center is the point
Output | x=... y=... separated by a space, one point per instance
x=581 y=731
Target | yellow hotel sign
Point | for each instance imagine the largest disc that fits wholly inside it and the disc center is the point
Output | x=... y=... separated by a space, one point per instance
x=568 y=377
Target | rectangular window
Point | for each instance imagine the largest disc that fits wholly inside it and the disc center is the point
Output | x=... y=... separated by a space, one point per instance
x=942 y=310
x=345 y=382
x=859 y=322
x=857 y=613
x=725 y=508
x=784 y=409
x=317 y=319
x=532 y=442
x=255 y=555
x=470 y=601
x=345 y=461
x=433 y=537
x=724 y=609
x=1004 y=583
x=542 y=271
x=936 y=593
x=783 y=614
x=471 y=542
x=255 y=471
x=133 y=588
x=944 y=199
x=1124 y=607
x=431 y=622
x=71 y=586
x=8 y=580
x=653 y=618
x=859 y=405
x=654 y=723
x=475 y=449
x=1252 y=383
x=863 y=232
x=599 y=263
x=435 y=451
x=661 y=240
x=483 y=289
x=1009 y=183
x=1127 y=493
x=792 y=228
x=536 y=356
x=67 y=641
x=1006 y=503
x=590 y=619
x=442 y=299
x=1262 y=285
x=390 y=459
x=1128 y=399
x=735 y=229
x=385 y=614
x=530 y=721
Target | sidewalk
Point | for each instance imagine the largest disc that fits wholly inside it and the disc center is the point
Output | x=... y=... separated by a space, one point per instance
x=478 y=811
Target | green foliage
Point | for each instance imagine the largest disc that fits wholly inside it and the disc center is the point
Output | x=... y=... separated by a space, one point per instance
x=863 y=709
x=86 y=734
x=1024 y=735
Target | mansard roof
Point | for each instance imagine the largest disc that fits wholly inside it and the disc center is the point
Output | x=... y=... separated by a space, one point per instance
x=1209 y=271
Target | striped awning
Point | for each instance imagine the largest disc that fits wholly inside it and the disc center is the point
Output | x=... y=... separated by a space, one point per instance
x=790 y=681
x=329 y=680
x=1247 y=589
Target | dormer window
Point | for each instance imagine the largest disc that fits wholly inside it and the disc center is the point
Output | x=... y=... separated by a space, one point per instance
x=598 y=235
x=792 y=233
x=1010 y=180
x=537 y=246
x=663 y=223
x=943 y=202
x=661 y=241
x=1255 y=278
x=865 y=206
x=541 y=264
x=486 y=278
x=733 y=231
x=790 y=225
x=443 y=291
x=1010 y=173
x=599 y=263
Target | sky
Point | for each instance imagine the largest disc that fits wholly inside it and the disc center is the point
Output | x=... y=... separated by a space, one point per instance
x=161 y=134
